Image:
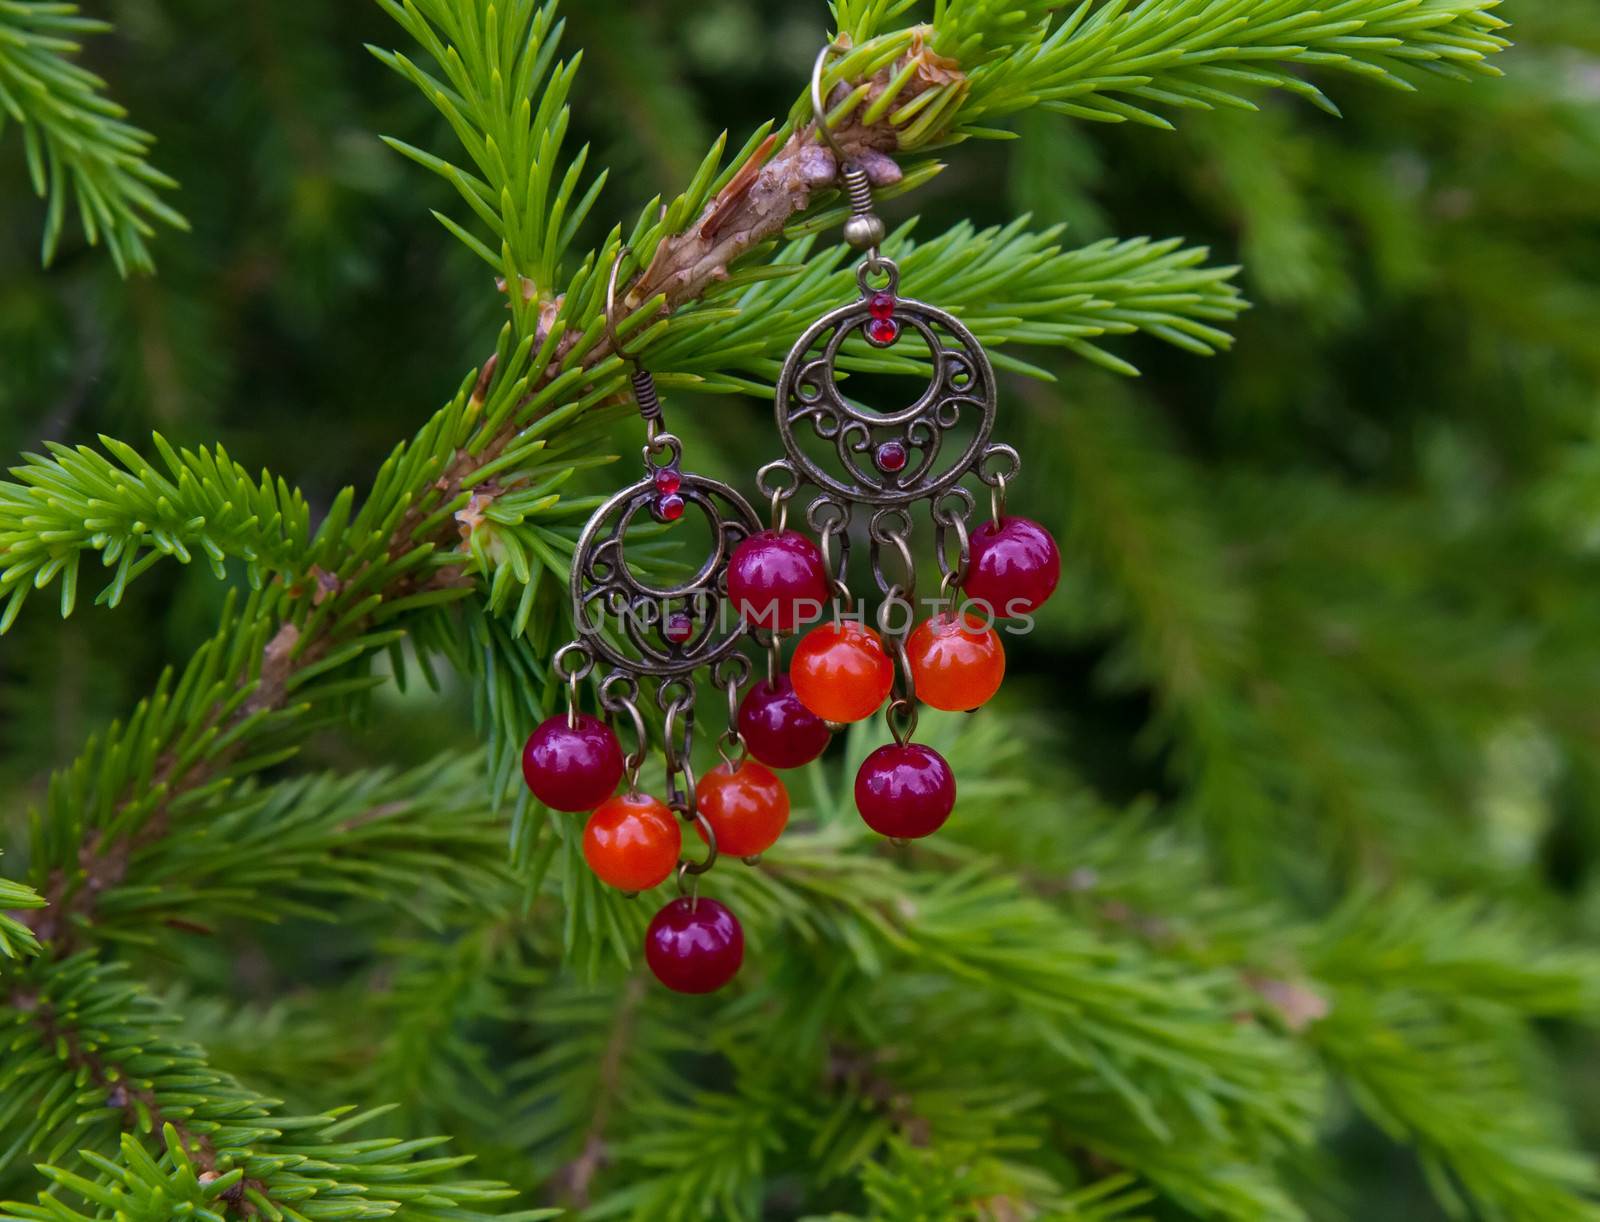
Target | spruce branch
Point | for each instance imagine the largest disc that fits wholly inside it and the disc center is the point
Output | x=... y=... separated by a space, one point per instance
x=1466 y=950
x=16 y=939
x=226 y=717
x=954 y=1181
x=1012 y=286
x=473 y=492
x=1169 y=1081
x=596 y=1048
x=1467 y=1090
x=435 y=999
x=885 y=93
x=220 y=1147
x=506 y=97
x=1115 y=61
x=77 y=141
x=305 y=848
x=133 y=513
x=1101 y=1007
x=577 y=1177
x=1419 y=1004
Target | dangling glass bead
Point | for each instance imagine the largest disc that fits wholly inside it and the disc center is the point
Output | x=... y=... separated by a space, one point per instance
x=747 y=807
x=905 y=791
x=1013 y=568
x=694 y=946
x=779 y=730
x=572 y=768
x=840 y=671
x=632 y=842
x=777 y=580
x=957 y=661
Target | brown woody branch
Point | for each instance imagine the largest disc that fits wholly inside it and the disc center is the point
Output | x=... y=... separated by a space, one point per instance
x=575 y=1179
x=774 y=186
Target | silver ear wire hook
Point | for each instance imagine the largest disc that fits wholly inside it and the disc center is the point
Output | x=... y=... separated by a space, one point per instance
x=644 y=386
x=611 y=308
x=865 y=229
x=818 y=113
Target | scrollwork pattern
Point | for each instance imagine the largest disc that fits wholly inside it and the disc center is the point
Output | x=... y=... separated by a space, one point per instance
x=648 y=628
x=918 y=437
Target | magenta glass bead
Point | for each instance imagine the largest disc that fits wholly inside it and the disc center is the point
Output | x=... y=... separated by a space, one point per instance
x=694 y=946
x=905 y=791
x=678 y=628
x=891 y=457
x=1013 y=567
x=883 y=331
x=777 y=580
x=668 y=479
x=779 y=730
x=881 y=305
x=669 y=508
x=572 y=768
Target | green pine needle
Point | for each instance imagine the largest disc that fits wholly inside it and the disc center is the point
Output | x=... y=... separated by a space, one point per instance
x=79 y=147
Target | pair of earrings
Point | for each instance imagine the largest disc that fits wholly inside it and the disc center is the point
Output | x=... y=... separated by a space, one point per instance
x=766 y=585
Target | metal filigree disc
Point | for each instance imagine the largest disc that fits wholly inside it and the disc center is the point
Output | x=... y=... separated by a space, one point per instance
x=961 y=393
x=637 y=625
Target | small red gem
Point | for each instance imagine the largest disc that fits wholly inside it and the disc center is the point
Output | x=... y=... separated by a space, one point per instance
x=669 y=508
x=679 y=628
x=881 y=306
x=883 y=331
x=668 y=479
x=891 y=456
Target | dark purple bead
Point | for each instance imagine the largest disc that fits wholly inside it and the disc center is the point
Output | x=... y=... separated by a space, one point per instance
x=777 y=580
x=694 y=946
x=779 y=730
x=1013 y=568
x=669 y=508
x=905 y=791
x=572 y=768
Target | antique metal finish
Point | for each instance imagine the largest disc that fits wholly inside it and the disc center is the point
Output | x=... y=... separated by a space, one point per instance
x=629 y=621
x=865 y=228
x=885 y=461
x=961 y=393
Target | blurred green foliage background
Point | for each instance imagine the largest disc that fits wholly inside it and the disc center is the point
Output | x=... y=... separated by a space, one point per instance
x=1332 y=595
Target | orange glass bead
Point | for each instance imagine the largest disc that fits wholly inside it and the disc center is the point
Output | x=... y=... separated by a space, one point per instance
x=840 y=671
x=632 y=842
x=747 y=807
x=957 y=661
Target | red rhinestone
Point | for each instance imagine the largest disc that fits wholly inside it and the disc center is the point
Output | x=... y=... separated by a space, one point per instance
x=891 y=456
x=668 y=479
x=881 y=305
x=883 y=331
x=669 y=508
x=678 y=628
